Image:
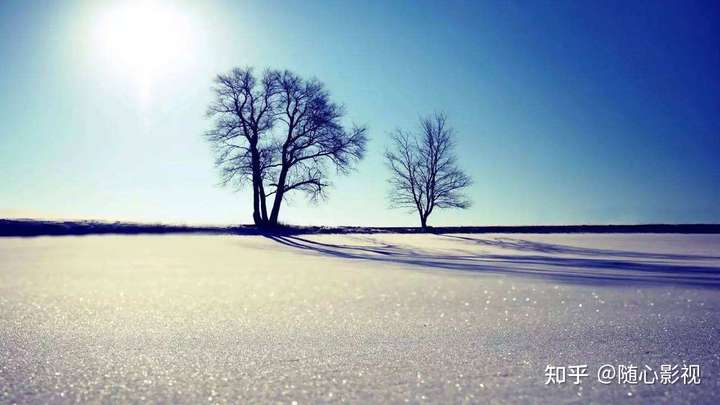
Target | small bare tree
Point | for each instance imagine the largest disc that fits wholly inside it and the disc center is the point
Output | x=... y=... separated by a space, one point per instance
x=280 y=133
x=424 y=171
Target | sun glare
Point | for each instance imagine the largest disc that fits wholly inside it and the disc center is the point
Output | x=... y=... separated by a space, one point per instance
x=143 y=40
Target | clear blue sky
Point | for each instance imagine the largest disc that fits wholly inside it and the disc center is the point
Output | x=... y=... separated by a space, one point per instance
x=565 y=112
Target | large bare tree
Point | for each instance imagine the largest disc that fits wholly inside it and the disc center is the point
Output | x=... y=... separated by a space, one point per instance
x=280 y=133
x=424 y=170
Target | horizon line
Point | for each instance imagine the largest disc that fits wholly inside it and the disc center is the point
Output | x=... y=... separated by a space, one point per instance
x=40 y=227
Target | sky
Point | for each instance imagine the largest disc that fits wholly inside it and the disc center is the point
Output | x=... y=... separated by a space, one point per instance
x=565 y=112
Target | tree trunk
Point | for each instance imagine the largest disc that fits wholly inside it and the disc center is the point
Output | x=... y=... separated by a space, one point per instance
x=259 y=208
x=425 y=217
x=280 y=192
x=256 y=212
x=263 y=205
x=423 y=221
x=275 y=213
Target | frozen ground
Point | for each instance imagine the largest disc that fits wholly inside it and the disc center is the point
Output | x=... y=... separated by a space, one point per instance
x=358 y=318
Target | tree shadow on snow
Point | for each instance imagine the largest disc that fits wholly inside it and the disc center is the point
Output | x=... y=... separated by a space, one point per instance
x=540 y=247
x=536 y=259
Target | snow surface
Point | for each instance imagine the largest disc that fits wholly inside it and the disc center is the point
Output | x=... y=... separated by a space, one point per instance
x=358 y=318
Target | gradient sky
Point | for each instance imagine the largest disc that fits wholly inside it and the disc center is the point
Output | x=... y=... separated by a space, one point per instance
x=565 y=112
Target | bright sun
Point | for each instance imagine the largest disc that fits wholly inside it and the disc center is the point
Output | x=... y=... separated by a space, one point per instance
x=144 y=39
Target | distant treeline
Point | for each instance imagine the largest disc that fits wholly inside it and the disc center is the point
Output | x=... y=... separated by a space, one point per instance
x=29 y=227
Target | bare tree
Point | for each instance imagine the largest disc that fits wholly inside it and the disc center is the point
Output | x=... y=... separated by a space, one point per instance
x=281 y=133
x=424 y=171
